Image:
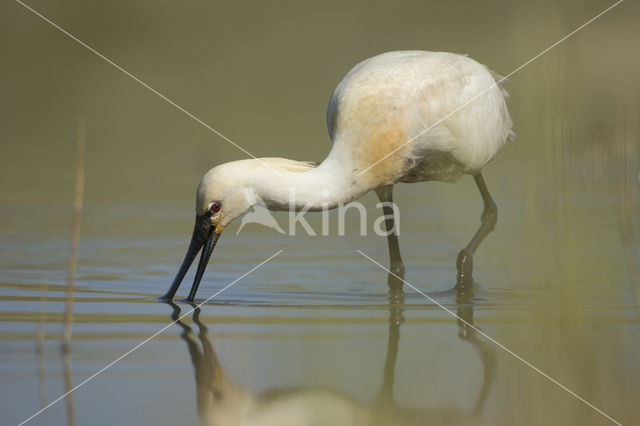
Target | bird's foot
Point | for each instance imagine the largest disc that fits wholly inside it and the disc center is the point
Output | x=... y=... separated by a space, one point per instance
x=464 y=280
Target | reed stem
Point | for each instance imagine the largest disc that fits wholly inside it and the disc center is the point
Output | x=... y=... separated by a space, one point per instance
x=75 y=236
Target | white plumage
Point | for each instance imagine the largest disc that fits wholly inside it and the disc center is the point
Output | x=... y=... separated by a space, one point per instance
x=407 y=116
x=381 y=104
x=392 y=98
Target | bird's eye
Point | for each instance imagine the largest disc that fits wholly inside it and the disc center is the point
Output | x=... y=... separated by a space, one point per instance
x=215 y=207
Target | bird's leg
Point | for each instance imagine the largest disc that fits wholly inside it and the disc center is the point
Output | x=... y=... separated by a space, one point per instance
x=486 y=351
x=464 y=282
x=385 y=194
x=396 y=304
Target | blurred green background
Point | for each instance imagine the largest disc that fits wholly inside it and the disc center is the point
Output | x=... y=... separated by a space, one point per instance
x=562 y=263
x=262 y=73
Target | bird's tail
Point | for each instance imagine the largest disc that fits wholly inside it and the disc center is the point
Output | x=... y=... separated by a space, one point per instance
x=499 y=80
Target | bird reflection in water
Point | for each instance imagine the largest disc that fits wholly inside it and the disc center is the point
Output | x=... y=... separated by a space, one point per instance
x=222 y=402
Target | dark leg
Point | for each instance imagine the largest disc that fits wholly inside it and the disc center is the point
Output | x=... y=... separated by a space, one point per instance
x=486 y=350
x=396 y=303
x=464 y=282
x=385 y=194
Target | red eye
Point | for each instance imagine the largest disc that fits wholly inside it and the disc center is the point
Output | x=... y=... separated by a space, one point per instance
x=215 y=207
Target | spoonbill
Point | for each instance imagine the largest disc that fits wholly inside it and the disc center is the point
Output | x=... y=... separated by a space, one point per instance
x=406 y=116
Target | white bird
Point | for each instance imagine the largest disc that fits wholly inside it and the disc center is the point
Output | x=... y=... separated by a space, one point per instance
x=408 y=116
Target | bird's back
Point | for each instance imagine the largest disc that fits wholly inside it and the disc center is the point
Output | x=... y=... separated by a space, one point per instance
x=388 y=100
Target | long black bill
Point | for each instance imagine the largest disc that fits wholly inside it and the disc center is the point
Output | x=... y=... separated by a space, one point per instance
x=204 y=260
x=203 y=232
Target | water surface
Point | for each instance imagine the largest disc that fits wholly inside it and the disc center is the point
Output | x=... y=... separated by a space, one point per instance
x=314 y=328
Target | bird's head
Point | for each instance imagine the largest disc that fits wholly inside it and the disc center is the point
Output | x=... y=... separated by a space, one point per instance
x=222 y=196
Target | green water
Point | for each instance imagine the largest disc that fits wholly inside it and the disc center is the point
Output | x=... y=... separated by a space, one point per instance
x=313 y=329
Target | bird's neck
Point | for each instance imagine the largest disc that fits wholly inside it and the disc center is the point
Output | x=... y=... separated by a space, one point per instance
x=325 y=187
